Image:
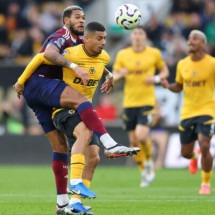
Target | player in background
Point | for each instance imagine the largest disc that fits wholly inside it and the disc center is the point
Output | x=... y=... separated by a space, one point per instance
x=43 y=91
x=137 y=65
x=195 y=75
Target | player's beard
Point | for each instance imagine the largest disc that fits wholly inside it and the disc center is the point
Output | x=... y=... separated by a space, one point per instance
x=191 y=51
x=74 y=31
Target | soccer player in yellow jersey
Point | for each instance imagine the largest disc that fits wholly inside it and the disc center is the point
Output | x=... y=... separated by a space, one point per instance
x=195 y=75
x=137 y=64
x=92 y=58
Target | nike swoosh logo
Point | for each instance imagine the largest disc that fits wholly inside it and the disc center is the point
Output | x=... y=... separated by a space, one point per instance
x=77 y=192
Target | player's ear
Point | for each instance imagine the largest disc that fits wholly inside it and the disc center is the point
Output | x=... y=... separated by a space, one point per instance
x=65 y=20
x=86 y=38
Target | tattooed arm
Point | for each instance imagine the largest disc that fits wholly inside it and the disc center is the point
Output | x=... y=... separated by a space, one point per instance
x=52 y=53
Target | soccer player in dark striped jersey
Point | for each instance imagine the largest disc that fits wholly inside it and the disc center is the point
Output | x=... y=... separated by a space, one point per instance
x=43 y=90
x=195 y=75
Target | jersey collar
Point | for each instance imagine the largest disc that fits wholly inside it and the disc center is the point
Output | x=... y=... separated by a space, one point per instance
x=72 y=38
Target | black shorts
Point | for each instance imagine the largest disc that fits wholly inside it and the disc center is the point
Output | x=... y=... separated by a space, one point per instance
x=66 y=120
x=134 y=116
x=190 y=128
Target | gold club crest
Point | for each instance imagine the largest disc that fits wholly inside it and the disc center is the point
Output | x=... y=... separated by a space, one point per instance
x=194 y=73
x=92 y=70
x=71 y=111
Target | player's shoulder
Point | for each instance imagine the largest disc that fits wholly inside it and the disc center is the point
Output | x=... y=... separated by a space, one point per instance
x=125 y=51
x=184 y=60
x=210 y=58
x=62 y=32
x=105 y=55
x=153 y=50
x=73 y=49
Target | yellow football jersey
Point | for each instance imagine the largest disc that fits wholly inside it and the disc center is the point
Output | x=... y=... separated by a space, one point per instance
x=93 y=64
x=140 y=65
x=198 y=80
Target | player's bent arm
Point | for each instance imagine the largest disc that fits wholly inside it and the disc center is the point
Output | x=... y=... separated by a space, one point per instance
x=163 y=74
x=107 y=73
x=31 y=67
x=175 y=87
x=118 y=75
x=52 y=53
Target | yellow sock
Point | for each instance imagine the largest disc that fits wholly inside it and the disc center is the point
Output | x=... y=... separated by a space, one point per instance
x=139 y=158
x=77 y=166
x=206 y=177
x=194 y=156
x=147 y=148
x=77 y=197
x=86 y=182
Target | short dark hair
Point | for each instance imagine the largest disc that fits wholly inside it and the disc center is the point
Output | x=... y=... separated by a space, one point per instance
x=68 y=11
x=140 y=27
x=94 y=26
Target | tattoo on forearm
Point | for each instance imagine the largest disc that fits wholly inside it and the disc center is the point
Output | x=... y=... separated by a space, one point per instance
x=59 y=60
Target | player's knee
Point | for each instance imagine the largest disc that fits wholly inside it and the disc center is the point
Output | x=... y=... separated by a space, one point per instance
x=87 y=134
x=94 y=160
x=142 y=139
x=186 y=154
x=205 y=148
x=61 y=148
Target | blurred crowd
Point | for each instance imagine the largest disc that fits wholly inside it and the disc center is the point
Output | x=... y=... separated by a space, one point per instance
x=170 y=35
x=24 y=24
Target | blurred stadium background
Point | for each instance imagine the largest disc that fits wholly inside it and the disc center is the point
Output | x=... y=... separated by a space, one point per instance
x=24 y=24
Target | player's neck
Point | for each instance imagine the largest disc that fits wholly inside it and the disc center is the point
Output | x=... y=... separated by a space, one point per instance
x=75 y=37
x=89 y=52
x=138 y=48
x=197 y=56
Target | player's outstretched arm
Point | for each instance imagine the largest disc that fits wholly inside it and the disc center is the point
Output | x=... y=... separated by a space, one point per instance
x=118 y=75
x=164 y=72
x=174 y=87
x=29 y=70
x=156 y=79
x=52 y=53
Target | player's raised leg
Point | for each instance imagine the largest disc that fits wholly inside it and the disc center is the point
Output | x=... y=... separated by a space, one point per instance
x=73 y=99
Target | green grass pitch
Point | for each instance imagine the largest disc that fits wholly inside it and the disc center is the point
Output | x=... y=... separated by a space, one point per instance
x=30 y=190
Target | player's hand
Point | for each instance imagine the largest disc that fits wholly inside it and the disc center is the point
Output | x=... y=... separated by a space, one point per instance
x=107 y=86
x=164 y=83
x=150 y=80
x=19 y=89
x=82 y=74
